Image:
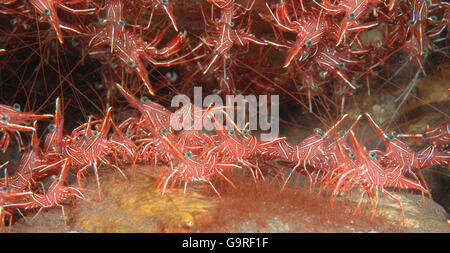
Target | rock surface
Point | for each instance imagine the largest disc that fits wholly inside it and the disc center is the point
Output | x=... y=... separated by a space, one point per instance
x=136 y=205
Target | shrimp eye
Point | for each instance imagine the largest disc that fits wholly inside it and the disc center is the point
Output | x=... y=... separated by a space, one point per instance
x=245 y=131
x=231 y=133
x=47 y=12
x=390 y=137
x=165 y=2
x=215 y=91
x=95 y=133
x=394 y=133
x=321 y=134
x=341 y=65
x=351 y=15
x=322 y=74
x=434 y=18
x=372 y=155
x=217 y=20
x=4 y=189
x=232 y=24
x=238 y=92
x=101 y=21
x=12 y=21
x=132 y=64
x=16 y=107
x=129 y=133
x=173 y=76
x=188 y=154
x=52 y=127
x=122 y=23
x=216 y=52
x=343 y=132
x=308 y=43
x=163 y=131
x=144 y=99
x=351 y=155
x=4 y=118
x=424 y=136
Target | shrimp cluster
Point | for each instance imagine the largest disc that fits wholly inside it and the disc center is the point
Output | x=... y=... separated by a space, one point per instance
x=302 y=49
